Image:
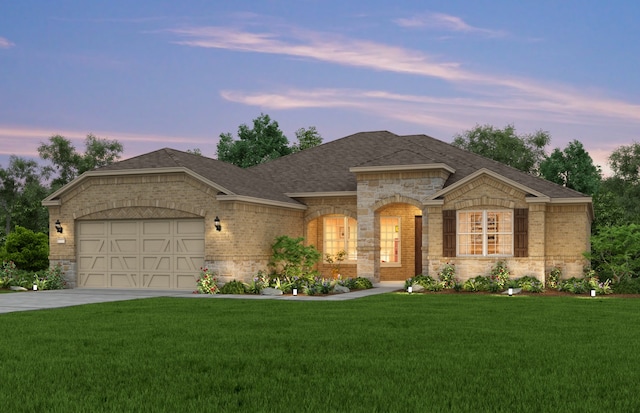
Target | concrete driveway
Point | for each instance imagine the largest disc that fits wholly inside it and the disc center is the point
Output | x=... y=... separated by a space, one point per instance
x=40 y=300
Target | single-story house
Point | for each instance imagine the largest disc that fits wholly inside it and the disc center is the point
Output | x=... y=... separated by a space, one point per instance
x=397 y=205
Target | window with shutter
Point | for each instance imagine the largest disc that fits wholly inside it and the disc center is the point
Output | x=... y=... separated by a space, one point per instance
x=521 y=232
x=449 y=233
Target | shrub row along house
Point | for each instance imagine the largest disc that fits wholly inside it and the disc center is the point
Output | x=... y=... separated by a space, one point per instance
x=397 y=205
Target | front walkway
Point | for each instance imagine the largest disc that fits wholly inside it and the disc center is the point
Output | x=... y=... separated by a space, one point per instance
x=40 y=300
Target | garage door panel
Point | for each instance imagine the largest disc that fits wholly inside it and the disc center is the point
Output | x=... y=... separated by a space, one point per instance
x=156 y=245
x=92 y=280
x=184 y=264
x=186 y=281
x=140 y=254
x=123 y=280
x=159 y=280
x=123 y=228
x=191 y=246
x=157 y=228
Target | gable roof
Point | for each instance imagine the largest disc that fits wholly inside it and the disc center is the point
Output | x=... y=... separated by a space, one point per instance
x=331 y=168
x=326 y=168
x=231 y=181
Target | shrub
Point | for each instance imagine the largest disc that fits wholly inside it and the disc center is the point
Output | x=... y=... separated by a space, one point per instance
x=574 y=285
x=27 y=249
x=291 y=258
x=530 y=284
x=500 y=274
x=360 y=283
x=627 y=285
x=233 y=287
x=615 y=251
x=6 y=273
x=553 y=280
x=54 y=278
x=448 y=275
x=207 y=283
x=479 y=283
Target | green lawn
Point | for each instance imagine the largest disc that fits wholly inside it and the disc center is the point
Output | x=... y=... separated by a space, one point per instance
x=388 y=353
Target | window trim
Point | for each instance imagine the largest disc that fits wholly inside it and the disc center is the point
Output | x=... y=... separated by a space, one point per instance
x=399 y=225
x=485 y=234
x=346 y=238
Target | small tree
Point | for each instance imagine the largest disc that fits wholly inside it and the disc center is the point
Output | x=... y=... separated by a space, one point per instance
x=615 y=252
x=27 y=249
x=292 y=258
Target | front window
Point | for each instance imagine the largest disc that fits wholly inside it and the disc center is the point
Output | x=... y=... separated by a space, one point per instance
x=485 y=233
x=341 y=234
x=390 y=239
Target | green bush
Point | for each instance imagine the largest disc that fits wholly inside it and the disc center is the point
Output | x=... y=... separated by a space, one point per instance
x=27 y=249
x=479 y=283
x=361 y=283
x=574 y=285
x=207 y=283
x=291 y=258
x=615 y=252
x=530 y=284
x=233 y=287
x=448 y=275
x=627 y=285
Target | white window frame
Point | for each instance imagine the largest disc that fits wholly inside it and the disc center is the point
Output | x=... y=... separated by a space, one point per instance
x=349 y=236
x=397 y=238
x=483 y=232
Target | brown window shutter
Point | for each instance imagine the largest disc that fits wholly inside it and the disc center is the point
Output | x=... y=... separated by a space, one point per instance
x=521 y=233
x=449 y=233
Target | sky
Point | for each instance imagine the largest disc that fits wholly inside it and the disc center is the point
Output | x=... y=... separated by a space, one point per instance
x=156 y=74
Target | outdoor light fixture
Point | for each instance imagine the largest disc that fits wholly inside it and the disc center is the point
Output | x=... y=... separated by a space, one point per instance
x=510 y=292
x=216 y=223
x=410 y=289
x=58 y=226
x=295 y=292
x=593 y=293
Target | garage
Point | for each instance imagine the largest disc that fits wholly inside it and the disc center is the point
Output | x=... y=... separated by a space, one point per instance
x=153 y=253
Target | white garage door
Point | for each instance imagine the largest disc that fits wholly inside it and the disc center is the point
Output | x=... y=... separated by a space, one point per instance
x=160 y=254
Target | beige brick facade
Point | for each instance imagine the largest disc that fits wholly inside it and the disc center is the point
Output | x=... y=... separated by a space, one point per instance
x=558 y=229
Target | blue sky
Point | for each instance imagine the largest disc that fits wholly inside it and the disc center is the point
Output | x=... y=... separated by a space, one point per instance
x=156 y=74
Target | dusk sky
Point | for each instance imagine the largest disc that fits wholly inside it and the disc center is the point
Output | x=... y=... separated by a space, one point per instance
x=155 y=74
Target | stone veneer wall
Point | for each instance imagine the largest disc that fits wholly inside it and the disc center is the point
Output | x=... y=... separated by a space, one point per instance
x=558 y=234
x=236 y=252
x=376 y=190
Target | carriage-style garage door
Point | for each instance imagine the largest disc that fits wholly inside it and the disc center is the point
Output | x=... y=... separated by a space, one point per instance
x=159 y=253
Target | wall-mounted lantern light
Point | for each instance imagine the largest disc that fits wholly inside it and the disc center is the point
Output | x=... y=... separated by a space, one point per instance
x=58 y=226
x=216 y=223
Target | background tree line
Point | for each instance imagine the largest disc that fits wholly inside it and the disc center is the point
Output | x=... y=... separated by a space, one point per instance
x=24 y=183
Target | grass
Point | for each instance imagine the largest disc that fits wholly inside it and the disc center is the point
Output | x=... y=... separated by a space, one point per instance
x=388 y=353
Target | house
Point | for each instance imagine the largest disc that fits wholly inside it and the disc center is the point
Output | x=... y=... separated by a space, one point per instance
x=398 y=205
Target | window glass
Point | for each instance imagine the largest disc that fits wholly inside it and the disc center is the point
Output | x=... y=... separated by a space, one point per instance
x=390 y=239
x=340 y=233
x=485 y=233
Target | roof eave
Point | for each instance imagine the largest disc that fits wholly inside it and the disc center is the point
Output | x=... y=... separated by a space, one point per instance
x=394 y=168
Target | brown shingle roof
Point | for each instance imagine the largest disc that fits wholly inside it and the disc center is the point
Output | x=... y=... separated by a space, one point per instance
x=237 y=180
x=325 y=168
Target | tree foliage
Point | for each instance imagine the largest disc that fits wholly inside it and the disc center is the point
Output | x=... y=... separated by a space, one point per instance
x=21 y=192
x=262 y=143
x=290 y=257
x=573 y=168
x=625 y=162
x=68 y=164
x=29 y=250
x=523 y=152
x=256 y=145
x=615 y=251
x=307 y=138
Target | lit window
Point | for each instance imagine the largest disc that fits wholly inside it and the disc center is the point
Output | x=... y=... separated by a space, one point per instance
x=341 y=234
x=485 y=233
x=390 y=239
